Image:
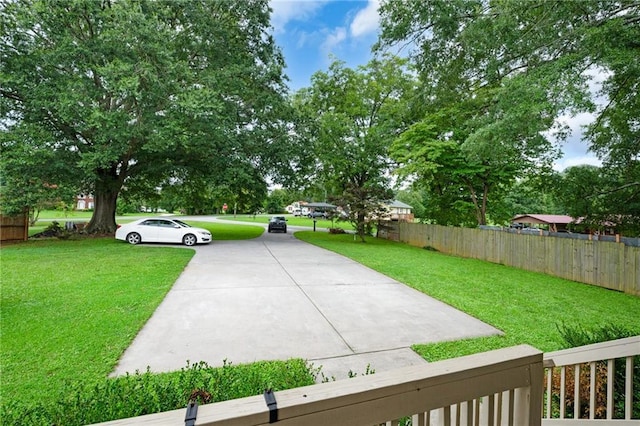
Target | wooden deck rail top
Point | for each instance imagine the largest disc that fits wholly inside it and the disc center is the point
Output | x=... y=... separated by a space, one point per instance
x=384 y=396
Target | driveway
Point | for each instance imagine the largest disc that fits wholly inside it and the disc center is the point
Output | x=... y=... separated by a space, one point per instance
x=276 y=297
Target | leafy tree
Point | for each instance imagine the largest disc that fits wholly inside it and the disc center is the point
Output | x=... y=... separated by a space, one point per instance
x=548 y=51
x=530 y=196
x=33 y=179
x=352 y=116
x=124 y=92
x=277 y=200
x=588 y=192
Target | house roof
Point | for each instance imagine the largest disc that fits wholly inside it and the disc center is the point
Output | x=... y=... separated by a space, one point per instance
x=543 y=218
x=321 y=205
x=399 y=205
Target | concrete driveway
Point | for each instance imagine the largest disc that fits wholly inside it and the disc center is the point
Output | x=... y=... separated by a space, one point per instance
x=276 y=297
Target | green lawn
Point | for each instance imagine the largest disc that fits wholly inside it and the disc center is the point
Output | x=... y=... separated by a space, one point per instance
x=70 y=308
x=526 y=306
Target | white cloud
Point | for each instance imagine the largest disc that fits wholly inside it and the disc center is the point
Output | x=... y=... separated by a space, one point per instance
x=292 y=10
x=337 y=36
x=366 y=20
x=567 y=162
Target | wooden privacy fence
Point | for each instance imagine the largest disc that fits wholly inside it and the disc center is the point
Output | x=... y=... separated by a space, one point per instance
x=14 y=228
x=611 y=265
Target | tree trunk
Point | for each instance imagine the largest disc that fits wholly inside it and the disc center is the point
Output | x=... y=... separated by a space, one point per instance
x=361 y=226
x=103 y=220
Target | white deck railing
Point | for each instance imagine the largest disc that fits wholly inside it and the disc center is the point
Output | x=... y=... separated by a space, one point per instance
x=584 y=377
x=502 y=387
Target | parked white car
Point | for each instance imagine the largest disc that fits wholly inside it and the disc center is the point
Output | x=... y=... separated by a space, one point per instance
x=162 y=230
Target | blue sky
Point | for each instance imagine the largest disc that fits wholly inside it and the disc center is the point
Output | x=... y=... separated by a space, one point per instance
x=312 y=32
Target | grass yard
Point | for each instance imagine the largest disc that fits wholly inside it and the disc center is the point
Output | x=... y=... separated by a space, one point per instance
x=526 y=306
x=227 y=231
x=70 y=308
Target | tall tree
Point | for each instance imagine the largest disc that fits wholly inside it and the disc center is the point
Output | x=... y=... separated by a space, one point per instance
x=554 y=47
x=600 y=198
x=144 y=90
x=354 y=115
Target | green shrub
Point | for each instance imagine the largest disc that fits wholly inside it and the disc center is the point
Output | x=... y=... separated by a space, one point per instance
x=146 y=393
x=574 y=336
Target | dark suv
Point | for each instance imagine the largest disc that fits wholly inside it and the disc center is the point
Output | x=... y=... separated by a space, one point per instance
x=277 y=223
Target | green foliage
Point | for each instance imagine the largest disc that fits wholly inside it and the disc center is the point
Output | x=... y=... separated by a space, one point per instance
x=146 y=393
x=144 y=93
x=68 y=317
x=579 y=335
x=506 y=66
x=351 y=117
x=276 y=202
x=601 y=198
x=575 y=335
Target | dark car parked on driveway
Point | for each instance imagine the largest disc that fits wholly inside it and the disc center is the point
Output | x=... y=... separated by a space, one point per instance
x=277 y=223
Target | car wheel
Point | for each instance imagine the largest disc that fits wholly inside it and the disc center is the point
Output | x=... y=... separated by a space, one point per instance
x=189 y=240
x=285 y=229
x=134 y=238
x=269 y=230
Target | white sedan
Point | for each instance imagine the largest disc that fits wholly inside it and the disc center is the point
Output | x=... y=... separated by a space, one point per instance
x=162 y=230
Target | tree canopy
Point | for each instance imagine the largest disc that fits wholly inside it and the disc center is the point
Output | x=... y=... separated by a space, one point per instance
x=513 y=67
x=131 y=94
x=352 y=117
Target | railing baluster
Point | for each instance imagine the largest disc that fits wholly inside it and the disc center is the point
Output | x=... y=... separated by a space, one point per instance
x=499 y=408
x=512 y=394
x=458 y=414
x=576 y=391
x=447 y=416
x=628 y=389
x=610 y=374
x=592 y=391
x=469 y=413
x=477 y=412
x=549 y=390
x=491 y=410
x=563 y=377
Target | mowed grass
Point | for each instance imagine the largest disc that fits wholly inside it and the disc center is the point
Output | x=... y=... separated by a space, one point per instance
x=70 y=308
x=526 y=306
x=227 y=231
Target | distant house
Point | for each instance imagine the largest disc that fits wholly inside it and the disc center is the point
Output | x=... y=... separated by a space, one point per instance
x=84 y=202
x=552 y=222
x=400 y=211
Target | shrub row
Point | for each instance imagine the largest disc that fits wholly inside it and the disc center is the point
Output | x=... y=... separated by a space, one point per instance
x=574 y=336
x=146 y=393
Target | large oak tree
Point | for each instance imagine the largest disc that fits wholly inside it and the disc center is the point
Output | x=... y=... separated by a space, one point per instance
x=142 y=91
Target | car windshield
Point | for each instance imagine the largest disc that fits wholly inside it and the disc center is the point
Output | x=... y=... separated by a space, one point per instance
x=181 y=223
x=277 y=218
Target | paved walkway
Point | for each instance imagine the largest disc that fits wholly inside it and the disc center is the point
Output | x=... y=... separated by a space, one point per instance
x=276 y=297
